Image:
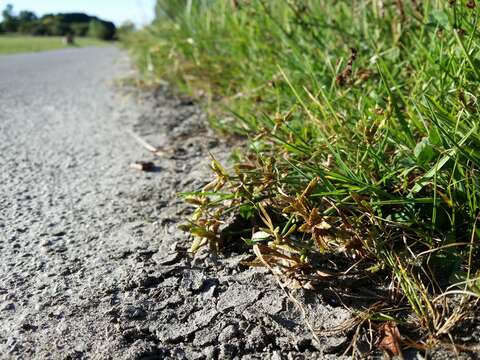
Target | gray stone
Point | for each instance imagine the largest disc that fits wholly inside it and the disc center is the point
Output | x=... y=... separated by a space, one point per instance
x=134 y=313
x=192 y=280
x=227 y=351
x=237 y=296
x=228 y=333
x=210 y=352
x=8 y=307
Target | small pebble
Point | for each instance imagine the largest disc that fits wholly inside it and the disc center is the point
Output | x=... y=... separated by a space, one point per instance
x=228 y=333
x=8 y=307
x=134 y=313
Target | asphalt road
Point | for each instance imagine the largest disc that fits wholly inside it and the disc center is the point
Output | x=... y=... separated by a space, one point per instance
x=64 y=156
x=92 y=264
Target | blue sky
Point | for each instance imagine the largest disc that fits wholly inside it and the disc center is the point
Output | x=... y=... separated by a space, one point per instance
x=118 y=11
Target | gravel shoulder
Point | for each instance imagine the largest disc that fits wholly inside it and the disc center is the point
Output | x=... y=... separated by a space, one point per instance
x=93 y=265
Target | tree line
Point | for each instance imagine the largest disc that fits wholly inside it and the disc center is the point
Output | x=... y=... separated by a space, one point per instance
x=77 y=24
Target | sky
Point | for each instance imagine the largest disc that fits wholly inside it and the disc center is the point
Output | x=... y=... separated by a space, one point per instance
x=140 y=12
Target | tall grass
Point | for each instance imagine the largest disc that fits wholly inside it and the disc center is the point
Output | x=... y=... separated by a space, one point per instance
x=364 y=143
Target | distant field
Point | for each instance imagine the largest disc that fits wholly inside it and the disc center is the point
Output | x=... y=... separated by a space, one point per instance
x=11 y=44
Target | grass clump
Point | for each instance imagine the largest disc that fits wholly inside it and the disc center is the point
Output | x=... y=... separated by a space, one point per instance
x=363 y=152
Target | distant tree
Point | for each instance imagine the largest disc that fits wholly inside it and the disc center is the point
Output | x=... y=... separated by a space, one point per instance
x=78 y=24
x=58 y=27
x=27 y=16
x=27 y=22
x=10 y=21
x=72 y=18
x=7 y=13
x=103 y=30
x=47 y=21
x=79 y=29
x=38 y=29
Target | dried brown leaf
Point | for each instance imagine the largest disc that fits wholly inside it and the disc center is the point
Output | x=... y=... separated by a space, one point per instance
x=390 y=339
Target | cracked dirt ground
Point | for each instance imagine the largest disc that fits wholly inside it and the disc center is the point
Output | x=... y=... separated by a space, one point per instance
x=92 y=263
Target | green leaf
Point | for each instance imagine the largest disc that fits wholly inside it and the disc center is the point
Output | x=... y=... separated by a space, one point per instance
x=424 y=151
x=439 y=17
x=260 y=236
x=246 y=211
x=434 y=136
x=393 y=54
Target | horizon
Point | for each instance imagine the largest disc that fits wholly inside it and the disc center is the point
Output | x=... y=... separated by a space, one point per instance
x=140 y=12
